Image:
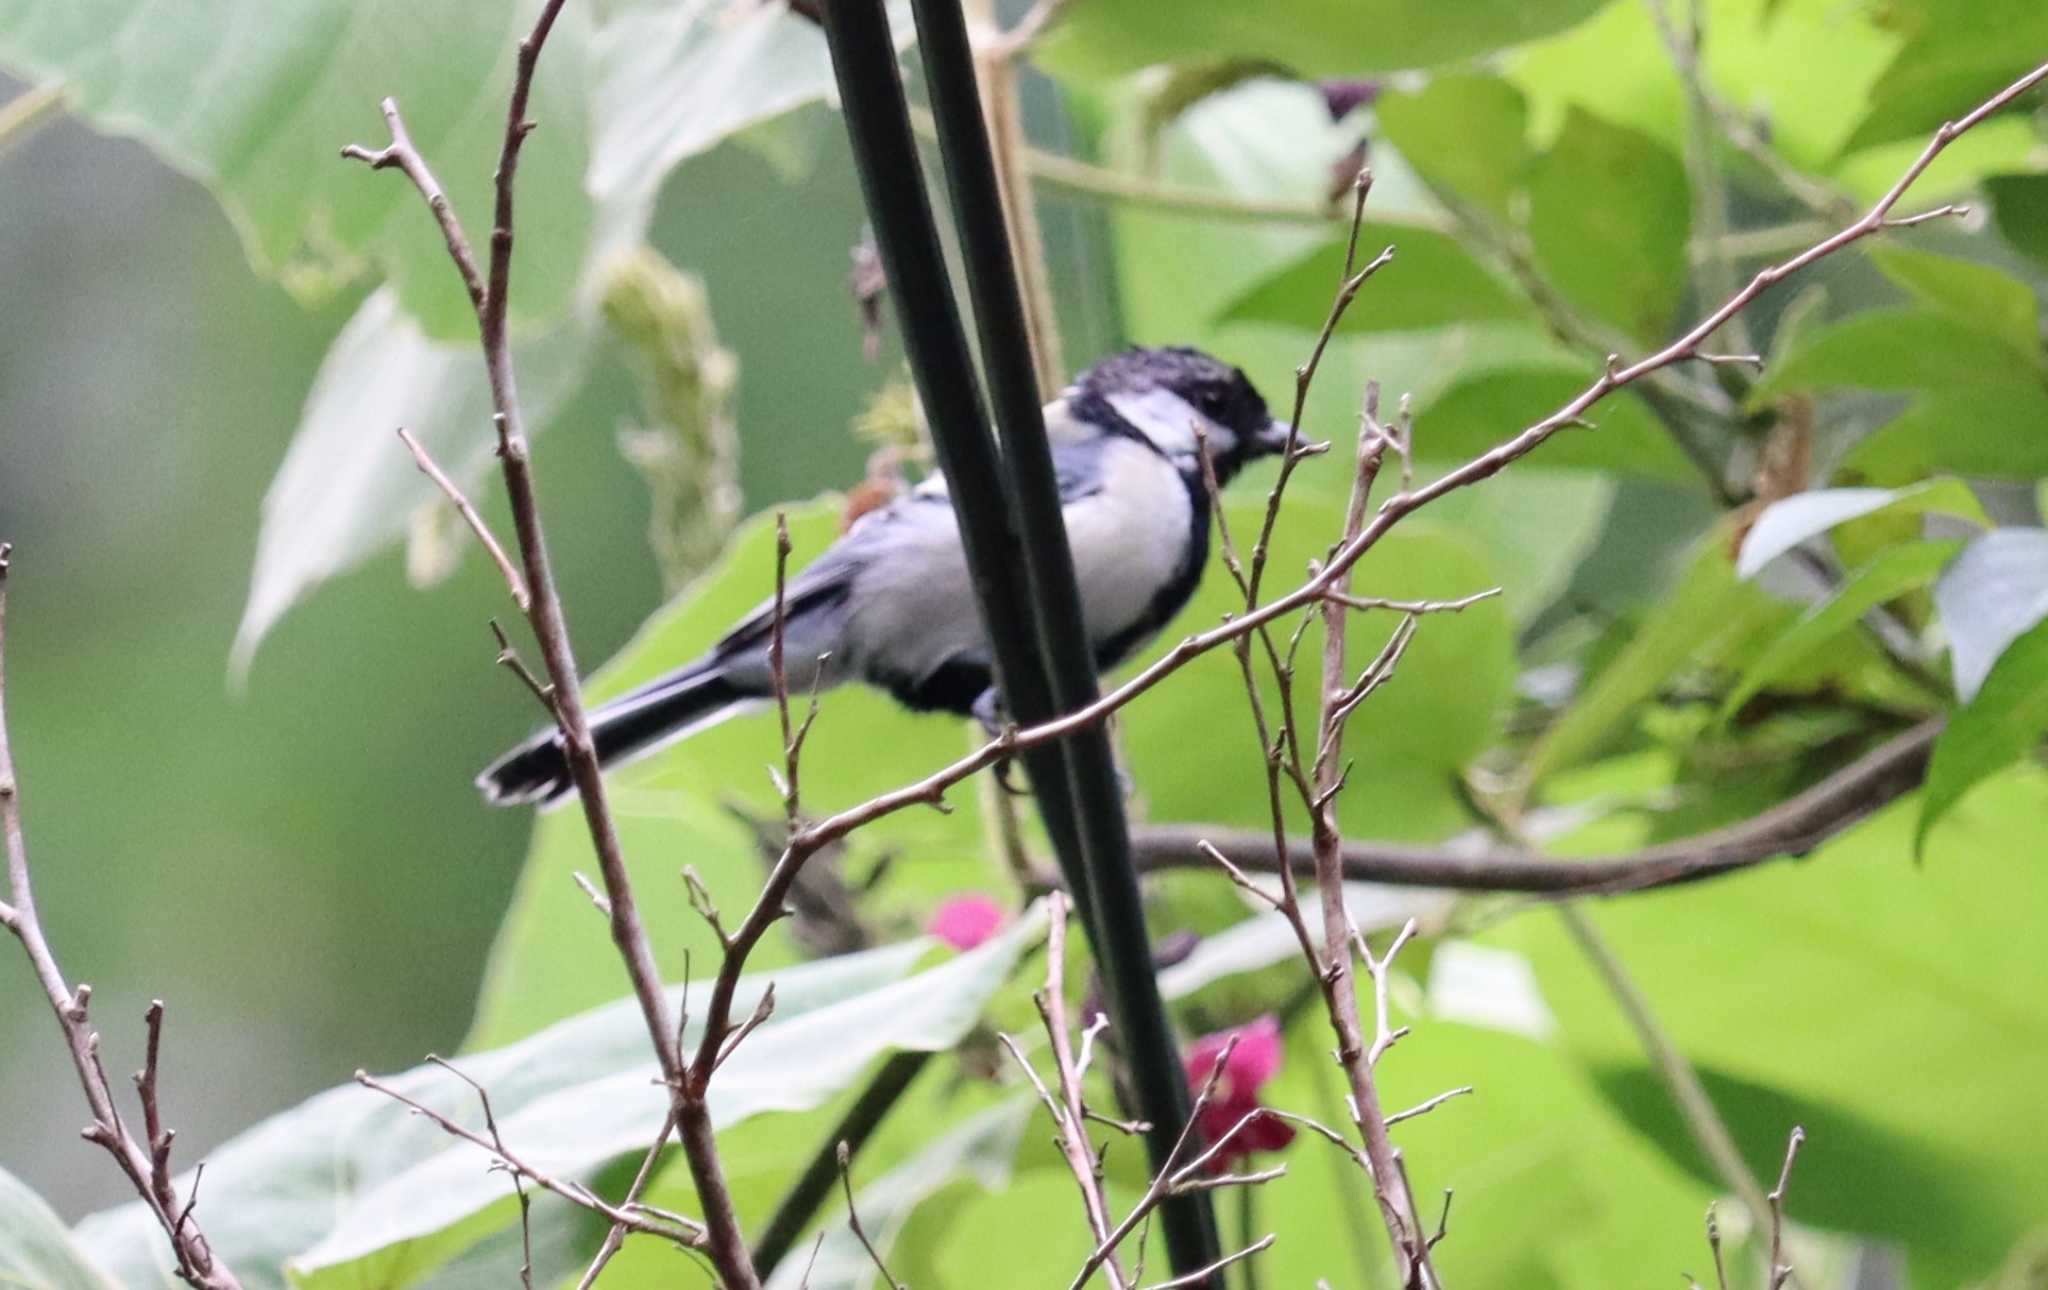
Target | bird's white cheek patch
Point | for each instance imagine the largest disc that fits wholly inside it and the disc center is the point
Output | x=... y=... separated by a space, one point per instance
x=1169 y=421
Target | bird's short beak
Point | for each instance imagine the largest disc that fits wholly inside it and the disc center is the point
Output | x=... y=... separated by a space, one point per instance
x=1272 y=439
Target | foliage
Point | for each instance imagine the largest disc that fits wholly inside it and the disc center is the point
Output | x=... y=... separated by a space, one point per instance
x=1727 y=586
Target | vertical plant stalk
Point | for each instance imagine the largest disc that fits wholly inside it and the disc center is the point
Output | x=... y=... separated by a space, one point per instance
x=489 y=291
x=1116 y=929
x=146 y=1164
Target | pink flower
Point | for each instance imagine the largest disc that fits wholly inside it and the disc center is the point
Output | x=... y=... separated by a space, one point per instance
x=964 y=922
x=1254 y=1061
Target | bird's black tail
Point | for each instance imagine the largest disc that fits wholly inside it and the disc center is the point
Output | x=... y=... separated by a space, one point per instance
x=537 y=771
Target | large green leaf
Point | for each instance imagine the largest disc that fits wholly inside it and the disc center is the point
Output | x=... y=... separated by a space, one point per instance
x=2019 y=207
x=1704 y=620
x=37 y=1251
x=980 y=1152
x=1312 y=37
x=1409 y=742
x=1997 y=727
x=1805 y=66
x=672 y=80
x=1483 y=409
x=1894 y=572
x=1897 y=349
x=348 y=488
x=1608 y=214
x=1431 y=282
x=1793 y=983
x=256 y=97
x=1978 y=294
x=1464 y=132
x=1994 y=429
x=351 y=1190
x=1995 y=591
x=1957 y=56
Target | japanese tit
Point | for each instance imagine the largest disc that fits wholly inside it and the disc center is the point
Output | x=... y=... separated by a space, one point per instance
x=891 y=604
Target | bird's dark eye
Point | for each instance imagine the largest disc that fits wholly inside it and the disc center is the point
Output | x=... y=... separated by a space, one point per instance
x=1213 y=401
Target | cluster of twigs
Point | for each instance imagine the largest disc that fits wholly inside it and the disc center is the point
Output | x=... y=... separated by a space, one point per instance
x=1313 y=769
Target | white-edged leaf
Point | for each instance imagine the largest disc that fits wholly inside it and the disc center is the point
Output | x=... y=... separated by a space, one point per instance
x=1891 y=574
x=1267 y=938
x=793 y=1062
x=981 y=1149
x=1996 y=590
x=1785 y=524
x=291 y=1182
x=36 y=1249
x=348 y=486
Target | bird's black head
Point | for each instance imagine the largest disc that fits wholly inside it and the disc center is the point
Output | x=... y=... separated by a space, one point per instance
x=1164 y=394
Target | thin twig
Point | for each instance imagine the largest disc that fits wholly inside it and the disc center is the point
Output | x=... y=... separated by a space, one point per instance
x=1780 y=1271
x=568 y=1189
x=1200 y=1276
x=453 y=491
x=853 y=1218
x=483 y=1098
x=615 y=1236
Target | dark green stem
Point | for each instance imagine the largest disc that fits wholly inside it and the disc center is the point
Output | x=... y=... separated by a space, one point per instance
x=1122 y=948
x=800 y=1205
x=878 y=125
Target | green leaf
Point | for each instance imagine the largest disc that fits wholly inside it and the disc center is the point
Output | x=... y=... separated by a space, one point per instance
x=793 y=1062
x=982 y=1152
x=1314 y=38
x=348 y=487
x=1994 y=592
x=36 y=1249
x=351 y=1190
x=1431 y=282
x=1486 y=408
x=1958 y=56
x=1705 y=618
x=255 y=98
x=1785 y=524
x=1806 y=68
x=2001 y=724
x=1896 y=349
x=1995 y=430
x=1608 y=216
x=674 y=80
x=1466 y=133
x=2019 y=208
x=1978 y=294
x=1893 y=573
x=1797 y=981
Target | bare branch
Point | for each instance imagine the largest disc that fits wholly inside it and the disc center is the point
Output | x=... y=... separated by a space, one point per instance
x=853 y=1218
x=1792 y=828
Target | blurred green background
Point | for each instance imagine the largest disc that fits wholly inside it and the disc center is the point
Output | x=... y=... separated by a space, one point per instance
x=195 y=844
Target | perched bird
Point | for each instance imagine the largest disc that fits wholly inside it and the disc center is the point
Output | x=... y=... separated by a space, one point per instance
x=891 y=604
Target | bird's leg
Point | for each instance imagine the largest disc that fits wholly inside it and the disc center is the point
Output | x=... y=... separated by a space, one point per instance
x=988 y=710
